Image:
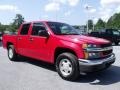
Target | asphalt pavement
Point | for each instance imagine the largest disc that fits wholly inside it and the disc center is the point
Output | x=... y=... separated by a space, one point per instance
x=29 y=74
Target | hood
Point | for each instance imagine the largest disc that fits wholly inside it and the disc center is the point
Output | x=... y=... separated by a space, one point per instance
x=83 y=39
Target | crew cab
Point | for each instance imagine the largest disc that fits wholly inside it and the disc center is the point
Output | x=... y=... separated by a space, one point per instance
x=60 y=44
x=112 y=35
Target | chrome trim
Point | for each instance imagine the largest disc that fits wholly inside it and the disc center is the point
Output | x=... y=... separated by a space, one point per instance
x=98 y=49
x=97 y=62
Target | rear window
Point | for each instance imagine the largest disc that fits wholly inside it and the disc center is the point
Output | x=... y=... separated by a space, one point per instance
x=25 y=29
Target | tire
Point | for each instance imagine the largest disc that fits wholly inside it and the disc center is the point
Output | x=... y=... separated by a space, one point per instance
x=116 y=43
x=12 y=55
x=67 y=66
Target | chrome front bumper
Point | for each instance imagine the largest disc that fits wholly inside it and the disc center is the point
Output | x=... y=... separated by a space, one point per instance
x=96 y=65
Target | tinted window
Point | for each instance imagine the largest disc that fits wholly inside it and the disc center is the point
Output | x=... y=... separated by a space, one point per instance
x=109 y=32
x=37 y=27
x=25 y=29
x=103 y=31
x=94 y=33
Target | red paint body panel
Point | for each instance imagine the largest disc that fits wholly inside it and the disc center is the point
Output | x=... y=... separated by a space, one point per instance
x=43 y=48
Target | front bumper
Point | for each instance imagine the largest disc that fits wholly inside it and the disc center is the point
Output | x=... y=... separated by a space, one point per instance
x=95 y=65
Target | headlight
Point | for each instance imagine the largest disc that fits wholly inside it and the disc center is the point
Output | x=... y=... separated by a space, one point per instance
x=90 y=46
x=91 y=55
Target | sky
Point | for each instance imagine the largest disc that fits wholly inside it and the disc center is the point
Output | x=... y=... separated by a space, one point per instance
x=74 y=12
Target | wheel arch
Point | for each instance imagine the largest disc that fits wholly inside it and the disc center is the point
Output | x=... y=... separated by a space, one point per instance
x=60 y=50
x=9 y=43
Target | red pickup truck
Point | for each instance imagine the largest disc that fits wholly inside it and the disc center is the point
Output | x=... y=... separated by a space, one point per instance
x=60 y=44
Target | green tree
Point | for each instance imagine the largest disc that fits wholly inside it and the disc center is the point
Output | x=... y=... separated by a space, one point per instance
x=19 y=19
x=114 y=21
x=0 y=27
x=76 y=27
x=3 y=27
x=12 y=28
x=100 y=24
x=16 y=23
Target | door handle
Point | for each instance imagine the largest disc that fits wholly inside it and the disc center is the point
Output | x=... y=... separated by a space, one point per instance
x=19 y=38
x=31 y=39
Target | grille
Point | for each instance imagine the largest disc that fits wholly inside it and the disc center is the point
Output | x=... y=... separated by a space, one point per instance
x=105 y=53
x=105 y=45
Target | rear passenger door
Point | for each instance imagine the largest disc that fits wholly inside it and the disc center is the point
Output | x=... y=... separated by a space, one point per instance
x=23 y=40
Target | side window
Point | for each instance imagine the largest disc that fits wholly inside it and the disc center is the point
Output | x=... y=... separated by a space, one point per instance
x=37 y=27
x=25 y=29
x=115 y=32
x=103 y=31
x=109 y=32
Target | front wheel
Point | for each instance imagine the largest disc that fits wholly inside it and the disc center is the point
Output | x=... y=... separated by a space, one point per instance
x=12 y=55
x=67 y=66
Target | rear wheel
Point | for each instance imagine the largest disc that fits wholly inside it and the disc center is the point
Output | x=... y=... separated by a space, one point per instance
x=67 y=66
x=12 y=55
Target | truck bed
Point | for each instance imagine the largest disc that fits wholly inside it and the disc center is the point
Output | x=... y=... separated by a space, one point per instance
x=9 y=39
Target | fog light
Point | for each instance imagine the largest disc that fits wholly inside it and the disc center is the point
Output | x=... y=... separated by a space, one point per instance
x=91 y=54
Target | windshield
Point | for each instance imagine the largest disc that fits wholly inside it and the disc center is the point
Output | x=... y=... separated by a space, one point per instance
x=62 y=29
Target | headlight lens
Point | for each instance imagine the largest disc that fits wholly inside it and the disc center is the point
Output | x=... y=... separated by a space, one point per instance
x=90 y=46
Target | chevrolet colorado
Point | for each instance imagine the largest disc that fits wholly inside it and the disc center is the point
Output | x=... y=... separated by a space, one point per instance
x=60 y=44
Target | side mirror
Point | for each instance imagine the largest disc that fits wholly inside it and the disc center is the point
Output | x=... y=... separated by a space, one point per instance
x=43 y=33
